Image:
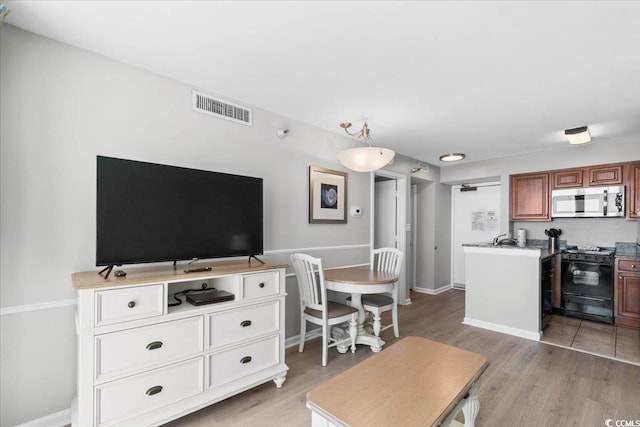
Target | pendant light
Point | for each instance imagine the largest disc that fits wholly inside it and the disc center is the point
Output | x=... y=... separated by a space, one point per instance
x=364 y=159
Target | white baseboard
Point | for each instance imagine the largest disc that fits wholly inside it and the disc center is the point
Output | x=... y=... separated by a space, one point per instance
x=59 y=419
x=535 y=336
x=432 y=291
x=295 y=340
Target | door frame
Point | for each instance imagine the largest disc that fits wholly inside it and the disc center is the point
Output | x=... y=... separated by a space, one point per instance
x=401 y=219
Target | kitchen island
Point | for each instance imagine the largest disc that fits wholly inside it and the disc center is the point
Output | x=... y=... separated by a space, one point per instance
x=502 y=291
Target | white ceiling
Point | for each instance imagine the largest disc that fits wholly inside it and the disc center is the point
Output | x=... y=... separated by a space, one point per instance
x=490 y=79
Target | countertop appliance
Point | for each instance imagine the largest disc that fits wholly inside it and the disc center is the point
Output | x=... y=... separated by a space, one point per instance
x=588 y=202
x=587 y=283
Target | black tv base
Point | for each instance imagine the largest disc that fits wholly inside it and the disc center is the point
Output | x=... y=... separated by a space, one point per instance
x=256 y=258
x=108 y=269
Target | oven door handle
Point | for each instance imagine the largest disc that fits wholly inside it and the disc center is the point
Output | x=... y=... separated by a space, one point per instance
x=593 y=298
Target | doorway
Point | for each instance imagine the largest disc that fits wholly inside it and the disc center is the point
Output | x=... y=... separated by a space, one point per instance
x=388 y=224
x=475 y=219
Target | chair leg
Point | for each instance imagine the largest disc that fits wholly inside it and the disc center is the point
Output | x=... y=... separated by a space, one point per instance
x=303 y=332
x=353 y=331
x=325 y=344
x=394 y=317
x=394 y=311
x=377 y=323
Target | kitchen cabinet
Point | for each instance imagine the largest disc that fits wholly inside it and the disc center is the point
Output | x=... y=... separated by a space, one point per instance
x=627 y=292
x=569 y=178
x=592 y=176
x=632 y=180
x=605 y=175
x=529 y=197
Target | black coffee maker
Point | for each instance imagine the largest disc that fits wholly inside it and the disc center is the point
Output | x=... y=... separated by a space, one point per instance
x=553 y=234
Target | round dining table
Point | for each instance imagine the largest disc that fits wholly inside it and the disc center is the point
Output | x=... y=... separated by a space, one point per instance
x=359 y=281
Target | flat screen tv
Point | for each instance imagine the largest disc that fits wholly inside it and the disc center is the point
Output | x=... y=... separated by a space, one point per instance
x=149 y=212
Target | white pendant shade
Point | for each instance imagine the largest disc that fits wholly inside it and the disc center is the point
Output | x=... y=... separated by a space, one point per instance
x=365 y=159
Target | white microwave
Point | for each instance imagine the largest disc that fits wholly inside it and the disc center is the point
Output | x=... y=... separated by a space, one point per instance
x=588 y=202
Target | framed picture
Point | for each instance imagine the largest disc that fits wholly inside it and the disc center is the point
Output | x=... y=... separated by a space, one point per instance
x=327 y=196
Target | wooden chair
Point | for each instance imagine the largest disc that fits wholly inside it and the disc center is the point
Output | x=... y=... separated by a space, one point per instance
x=315 y=308
x=389 y=260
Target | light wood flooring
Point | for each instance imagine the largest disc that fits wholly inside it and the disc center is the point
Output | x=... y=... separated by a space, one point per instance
x=598 y=338
x=528 y=383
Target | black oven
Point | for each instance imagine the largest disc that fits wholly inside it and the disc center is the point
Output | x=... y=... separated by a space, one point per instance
x=587 y=284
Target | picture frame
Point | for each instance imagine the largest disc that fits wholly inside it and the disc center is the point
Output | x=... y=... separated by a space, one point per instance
x=327 y=196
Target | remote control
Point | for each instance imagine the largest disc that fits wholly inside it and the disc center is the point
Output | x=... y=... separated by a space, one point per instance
x=197 y=270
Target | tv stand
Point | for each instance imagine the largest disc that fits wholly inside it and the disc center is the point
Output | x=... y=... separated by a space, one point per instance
x=256 y=258
x=143 y=362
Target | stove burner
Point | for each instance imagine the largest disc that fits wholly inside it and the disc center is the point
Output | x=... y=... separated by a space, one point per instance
x=589 y=250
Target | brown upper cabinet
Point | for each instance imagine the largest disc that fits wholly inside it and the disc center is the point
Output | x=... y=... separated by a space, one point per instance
x=568 y=178
x=605 y=175
x=588 y=177
x=530 y=193
x=632 y=179
x=529 y=198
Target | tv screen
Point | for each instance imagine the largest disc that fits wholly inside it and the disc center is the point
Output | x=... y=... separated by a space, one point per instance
x=148 y=212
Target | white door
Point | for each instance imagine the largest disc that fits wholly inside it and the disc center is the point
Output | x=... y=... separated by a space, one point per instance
x=475 y=219
x=385 y=232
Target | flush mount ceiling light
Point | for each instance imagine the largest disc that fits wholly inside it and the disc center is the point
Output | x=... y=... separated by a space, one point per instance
x=452 y=157
x=364 y=159
x=579 y=135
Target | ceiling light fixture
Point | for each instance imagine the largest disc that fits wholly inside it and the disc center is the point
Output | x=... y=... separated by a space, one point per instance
x=452 y=157
x=579 y=135
x=364 y=159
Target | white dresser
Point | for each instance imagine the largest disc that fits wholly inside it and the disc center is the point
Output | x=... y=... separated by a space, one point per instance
x=144 y=363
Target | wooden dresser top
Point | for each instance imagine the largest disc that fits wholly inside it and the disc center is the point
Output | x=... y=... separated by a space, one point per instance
x=139 y=275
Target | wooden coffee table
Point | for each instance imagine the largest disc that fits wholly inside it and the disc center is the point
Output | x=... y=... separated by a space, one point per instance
x=415 y=382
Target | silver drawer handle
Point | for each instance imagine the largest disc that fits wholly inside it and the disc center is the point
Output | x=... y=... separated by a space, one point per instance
x=154 y=390
x=245 y=359
x=154 y=345
x=245 y=323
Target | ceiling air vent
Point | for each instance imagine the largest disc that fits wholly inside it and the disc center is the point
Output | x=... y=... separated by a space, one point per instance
x=222 y=109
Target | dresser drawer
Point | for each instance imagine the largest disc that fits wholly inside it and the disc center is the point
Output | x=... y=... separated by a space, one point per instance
x=260 y=284
x=233 y=326
x=236 y=363
x=121 y=305
x=628 y=265
x=147 y=347
x=120 y=400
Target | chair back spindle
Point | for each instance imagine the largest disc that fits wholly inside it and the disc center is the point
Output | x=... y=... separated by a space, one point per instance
x=309 y=272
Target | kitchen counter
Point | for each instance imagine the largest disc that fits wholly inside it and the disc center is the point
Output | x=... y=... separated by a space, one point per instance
x=627 y=249
x=502 y=290
x=544 y=251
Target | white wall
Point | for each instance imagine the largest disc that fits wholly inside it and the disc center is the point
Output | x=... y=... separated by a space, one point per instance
x=578 y=231
x=62 y=106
